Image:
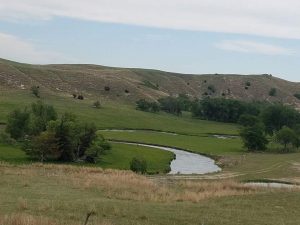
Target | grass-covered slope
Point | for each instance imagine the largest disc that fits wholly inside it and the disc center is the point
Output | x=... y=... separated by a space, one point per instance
x=129 y=85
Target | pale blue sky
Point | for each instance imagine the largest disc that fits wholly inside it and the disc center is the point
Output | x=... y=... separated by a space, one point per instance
x=43 y=34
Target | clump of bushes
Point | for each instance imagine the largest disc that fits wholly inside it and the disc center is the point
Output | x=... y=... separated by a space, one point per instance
x=147 y=106
x=45 y=137
x=138 y=165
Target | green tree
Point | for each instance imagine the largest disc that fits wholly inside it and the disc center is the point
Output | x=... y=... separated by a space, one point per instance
x=41 y=114
x=43 y=147
x=247 y=120
x=276 y=116
x=286 y=136
x=18 y=123
x=254 y=137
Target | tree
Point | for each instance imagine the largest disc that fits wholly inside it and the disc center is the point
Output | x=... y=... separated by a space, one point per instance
x=138 y=165
x=98 y=147
x=146 y=106
x=35 y=90
x=43 y=147
x=41 y=114
x=276 y=116
x=18 y=124
x=286 y=136
x=247 y=120
x=254 y=137
x=170 y=105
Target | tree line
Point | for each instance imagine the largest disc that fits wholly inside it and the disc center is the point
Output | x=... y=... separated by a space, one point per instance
x=261 y=122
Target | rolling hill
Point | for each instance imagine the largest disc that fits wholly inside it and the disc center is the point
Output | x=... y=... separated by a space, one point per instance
x=129 y=85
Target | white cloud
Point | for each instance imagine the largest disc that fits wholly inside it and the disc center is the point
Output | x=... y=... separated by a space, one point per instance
x=253 y=47
x=274 y=18
x=14 y=48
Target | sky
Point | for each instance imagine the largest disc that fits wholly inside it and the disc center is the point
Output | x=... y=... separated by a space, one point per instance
x=186 y=36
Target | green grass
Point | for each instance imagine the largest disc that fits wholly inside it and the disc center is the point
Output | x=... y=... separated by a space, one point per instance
x=114 y=115
x=199 y=144
x=12 y=154
x=62 y=200
x=120 y=156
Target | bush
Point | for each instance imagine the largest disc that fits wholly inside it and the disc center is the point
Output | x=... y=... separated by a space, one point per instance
x=297 y=95
x=138 y=165
x=254 y=137
x=126 y=91
x=248 y=84
x=211 y=88
x=97 y=104
x=35 y=90
x=273 y=92
x=107 y=88
x=80 y=97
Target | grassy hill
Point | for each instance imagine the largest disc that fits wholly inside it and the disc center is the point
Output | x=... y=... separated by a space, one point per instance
x=129 y=85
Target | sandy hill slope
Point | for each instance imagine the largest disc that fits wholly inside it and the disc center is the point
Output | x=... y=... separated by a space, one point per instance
x=132 y=84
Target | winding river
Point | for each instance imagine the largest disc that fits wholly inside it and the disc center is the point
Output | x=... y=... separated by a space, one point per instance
x=185 y=162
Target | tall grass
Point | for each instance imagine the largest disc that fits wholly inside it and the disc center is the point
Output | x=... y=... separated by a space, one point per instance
x=127 y=185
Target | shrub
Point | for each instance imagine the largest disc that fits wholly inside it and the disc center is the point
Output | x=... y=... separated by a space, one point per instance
x=74 y=95
x=126 y=91
x=211 y=88
x=35 y=90
x=80 y=97
x=273 y=92
x=297 y=95
x=138 y=165
x=97 y=104
x=248 y=84
x=107 y=88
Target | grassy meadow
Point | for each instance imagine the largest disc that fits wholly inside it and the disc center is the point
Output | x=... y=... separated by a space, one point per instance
x=55 y=194
x=63 y=195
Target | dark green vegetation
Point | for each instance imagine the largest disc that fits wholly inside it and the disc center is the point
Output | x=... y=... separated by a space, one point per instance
x=44 y=137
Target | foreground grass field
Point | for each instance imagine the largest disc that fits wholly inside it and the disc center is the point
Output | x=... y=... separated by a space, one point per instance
x=65 y=194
